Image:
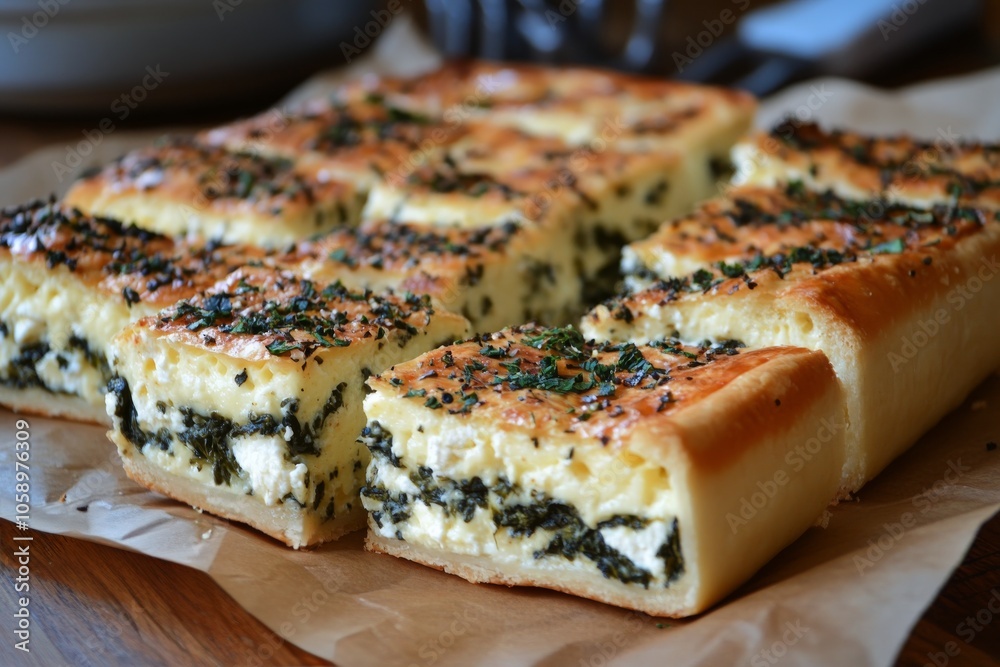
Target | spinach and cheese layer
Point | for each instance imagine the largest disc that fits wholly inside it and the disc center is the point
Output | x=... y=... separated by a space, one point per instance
x=585 y=203
x=612 y=471
x=904 y=301
x=181 y=187
x=246 y=400
x=496 y=276
x=894 y=169
x=68 y=283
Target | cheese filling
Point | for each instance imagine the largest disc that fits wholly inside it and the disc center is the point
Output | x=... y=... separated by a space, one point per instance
x=278 y=459
x=499 y=518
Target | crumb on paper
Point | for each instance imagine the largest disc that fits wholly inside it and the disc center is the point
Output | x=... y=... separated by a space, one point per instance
x=82 y=508
x=978 y=405
x=62 y=498
x=207 y=534
x=824 y=520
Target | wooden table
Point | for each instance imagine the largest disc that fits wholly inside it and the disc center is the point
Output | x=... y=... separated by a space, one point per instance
x=96 y=605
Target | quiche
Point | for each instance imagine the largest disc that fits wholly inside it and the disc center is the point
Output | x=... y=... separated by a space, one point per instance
x=904 y=301
x=613 y=471
x=494 y=275
x=245 y=400
x=70 y=282
x=183 y=188
x=890 y=169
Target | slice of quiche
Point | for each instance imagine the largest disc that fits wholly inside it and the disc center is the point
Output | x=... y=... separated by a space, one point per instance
x=585 y=203
x=68 y=283
x=183 y=188
x=359 y=141
x=496 y=275
x=615 y=472
x=579 y=105
x=904 y=301
x=246 y=400
x=890 y=169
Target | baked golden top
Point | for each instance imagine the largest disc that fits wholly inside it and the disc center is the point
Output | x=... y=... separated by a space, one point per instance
x=404 y=248
x=261 y=313
x=945 y=170
x=551 y=382
x=502 y=173
x=119 y=259
x=637 y=106
x=367 y=134
x=209 y=178
x=774 y=228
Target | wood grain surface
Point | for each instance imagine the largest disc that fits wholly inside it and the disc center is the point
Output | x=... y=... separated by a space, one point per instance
x=96 y=605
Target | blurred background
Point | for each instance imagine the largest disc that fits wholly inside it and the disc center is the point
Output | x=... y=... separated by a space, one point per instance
x=74 y=62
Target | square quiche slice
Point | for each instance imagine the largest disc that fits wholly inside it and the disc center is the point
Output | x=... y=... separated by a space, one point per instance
x=246 y=400
x=904 y=301
x=896 y=169
x=184 y=188
x=615 y=472
x=68 y=283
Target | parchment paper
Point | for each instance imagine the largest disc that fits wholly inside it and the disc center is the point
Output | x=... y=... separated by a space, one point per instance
x=846 y=595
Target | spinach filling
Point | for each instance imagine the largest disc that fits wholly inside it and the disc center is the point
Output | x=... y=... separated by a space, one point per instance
x=209 y=437
x=22 y=370
x=570 y=538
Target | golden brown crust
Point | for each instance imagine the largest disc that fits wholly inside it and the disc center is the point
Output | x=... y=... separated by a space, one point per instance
x=416 y=258
x=268 y=314
x=896 y=168
x=505 y=174
x=551 y=381
x=365 y=137
x=759 y=222
x=640 y=111
x=863 y=273
x=211 y=181
x=121 y=260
